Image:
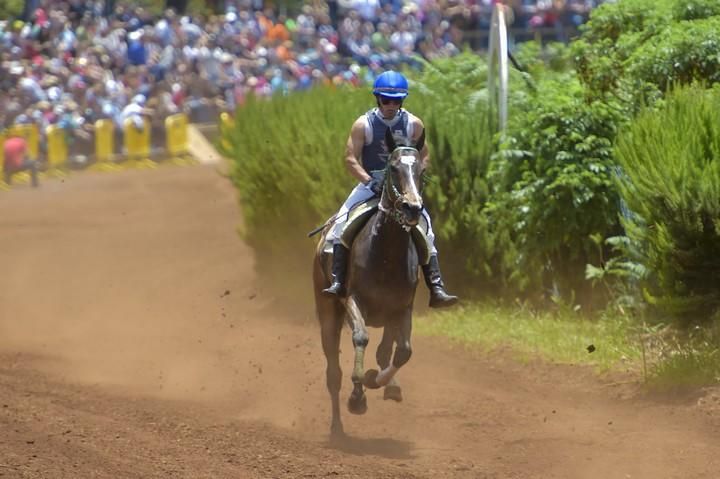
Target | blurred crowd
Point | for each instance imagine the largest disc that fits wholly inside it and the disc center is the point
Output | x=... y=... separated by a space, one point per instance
x=73 y=62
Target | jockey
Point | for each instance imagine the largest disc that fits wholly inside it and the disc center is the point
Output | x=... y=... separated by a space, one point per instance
x=365 y=154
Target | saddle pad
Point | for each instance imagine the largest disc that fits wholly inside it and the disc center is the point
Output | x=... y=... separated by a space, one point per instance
x=357 y=217
x=362 y=213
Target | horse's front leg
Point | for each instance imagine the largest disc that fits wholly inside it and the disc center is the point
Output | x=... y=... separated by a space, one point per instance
x=403 y=351
x=383 y=356
x=357 y=404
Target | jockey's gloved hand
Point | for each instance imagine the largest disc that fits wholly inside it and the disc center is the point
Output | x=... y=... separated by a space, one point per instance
x=374 y=185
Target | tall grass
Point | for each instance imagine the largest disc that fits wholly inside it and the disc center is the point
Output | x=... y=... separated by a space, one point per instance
x=561 y=337
x=671 y=162
x=657 y=356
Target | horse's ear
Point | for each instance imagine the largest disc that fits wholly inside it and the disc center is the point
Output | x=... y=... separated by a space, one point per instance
x=390 y=140
x=421 y=141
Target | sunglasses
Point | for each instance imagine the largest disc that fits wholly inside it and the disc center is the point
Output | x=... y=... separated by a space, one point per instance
x=390 y=101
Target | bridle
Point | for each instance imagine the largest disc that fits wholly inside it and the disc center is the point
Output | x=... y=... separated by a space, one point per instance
x=394 y=196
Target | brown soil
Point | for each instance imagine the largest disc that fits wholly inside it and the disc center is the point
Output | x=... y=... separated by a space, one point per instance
x=136 y=343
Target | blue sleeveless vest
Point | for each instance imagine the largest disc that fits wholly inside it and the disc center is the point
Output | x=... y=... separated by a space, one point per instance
x=375 y=154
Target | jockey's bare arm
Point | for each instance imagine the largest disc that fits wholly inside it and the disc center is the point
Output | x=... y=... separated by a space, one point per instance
x=417 y=130
x=353 y=151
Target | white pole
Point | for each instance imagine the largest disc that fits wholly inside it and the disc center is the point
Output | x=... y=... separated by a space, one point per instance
x=498 y=66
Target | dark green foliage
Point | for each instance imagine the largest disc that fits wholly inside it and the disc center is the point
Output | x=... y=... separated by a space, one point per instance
x=555 y=185
x=615 y=31
x=636 y=49
x=11 y=9
x=630 y=54
x=686 y=51
x=695 y=9
x=671 y=161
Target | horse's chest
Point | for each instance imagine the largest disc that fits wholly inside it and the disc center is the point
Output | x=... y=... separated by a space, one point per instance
x=393 y=273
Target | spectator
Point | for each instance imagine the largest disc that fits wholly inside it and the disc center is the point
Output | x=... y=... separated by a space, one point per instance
x=15 y=149
x=93 y=63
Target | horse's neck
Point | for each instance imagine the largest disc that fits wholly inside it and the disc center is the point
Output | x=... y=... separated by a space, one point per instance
x=389 y=238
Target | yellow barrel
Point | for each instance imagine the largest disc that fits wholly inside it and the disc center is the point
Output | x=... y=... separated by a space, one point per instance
x=227 y=120
x=57 y=148
x=31 y=135
x=177 y=135
x=227 y=124
x=104 y=140
x=137 y=142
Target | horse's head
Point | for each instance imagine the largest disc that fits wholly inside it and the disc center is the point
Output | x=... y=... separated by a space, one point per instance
x=403 y=178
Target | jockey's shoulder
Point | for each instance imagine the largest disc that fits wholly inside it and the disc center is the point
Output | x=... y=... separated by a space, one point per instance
x=415 y=120
x=359 y=123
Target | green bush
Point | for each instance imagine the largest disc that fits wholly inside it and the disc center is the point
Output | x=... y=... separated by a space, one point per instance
x=613 y=33
x=671 y=184
x=526 y=214
x=695 y=9
x=11 y=9
x=288 y=160
x=554 y=188
x=636 y=49
x=687 y=51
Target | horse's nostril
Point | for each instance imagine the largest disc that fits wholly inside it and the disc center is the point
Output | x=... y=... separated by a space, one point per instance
x=412 y=210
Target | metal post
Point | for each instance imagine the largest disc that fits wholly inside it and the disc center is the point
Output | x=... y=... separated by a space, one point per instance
x=498 y=67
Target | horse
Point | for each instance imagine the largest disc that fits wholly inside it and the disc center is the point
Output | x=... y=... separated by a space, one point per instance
x=381 y=281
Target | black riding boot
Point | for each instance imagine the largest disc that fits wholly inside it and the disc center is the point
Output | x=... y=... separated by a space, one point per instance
x=339 y=270
x=439 y=298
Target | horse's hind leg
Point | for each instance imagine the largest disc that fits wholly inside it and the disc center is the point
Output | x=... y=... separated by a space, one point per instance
x=330 y=313
x=383 y=355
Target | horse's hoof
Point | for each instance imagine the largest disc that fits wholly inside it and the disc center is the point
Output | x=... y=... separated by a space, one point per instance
x=393 y=392
x=370 y=379
x=357 y=405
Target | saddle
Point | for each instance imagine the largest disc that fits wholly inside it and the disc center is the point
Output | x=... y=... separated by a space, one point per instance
x=361 y=213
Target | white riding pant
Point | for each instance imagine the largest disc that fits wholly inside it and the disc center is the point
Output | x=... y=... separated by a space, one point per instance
x=362 y=193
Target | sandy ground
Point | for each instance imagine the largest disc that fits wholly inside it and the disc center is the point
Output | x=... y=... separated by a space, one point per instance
x=135 y=342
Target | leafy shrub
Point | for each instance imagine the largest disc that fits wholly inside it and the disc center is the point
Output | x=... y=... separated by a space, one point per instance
x=695 y=9
x=11 y=9
x=685 y=52
x=636 y=49
x=671 y=183
x=555 y=176
x=609 y=38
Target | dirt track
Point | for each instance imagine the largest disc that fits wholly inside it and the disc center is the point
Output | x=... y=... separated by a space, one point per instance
x=135 y=343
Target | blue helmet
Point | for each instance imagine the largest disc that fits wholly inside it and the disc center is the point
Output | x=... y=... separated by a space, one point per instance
x=391 y=84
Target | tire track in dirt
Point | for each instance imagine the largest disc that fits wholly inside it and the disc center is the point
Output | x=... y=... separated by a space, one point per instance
x=131 y=317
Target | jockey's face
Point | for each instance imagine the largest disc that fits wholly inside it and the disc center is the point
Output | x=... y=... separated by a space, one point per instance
x=389 y=106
